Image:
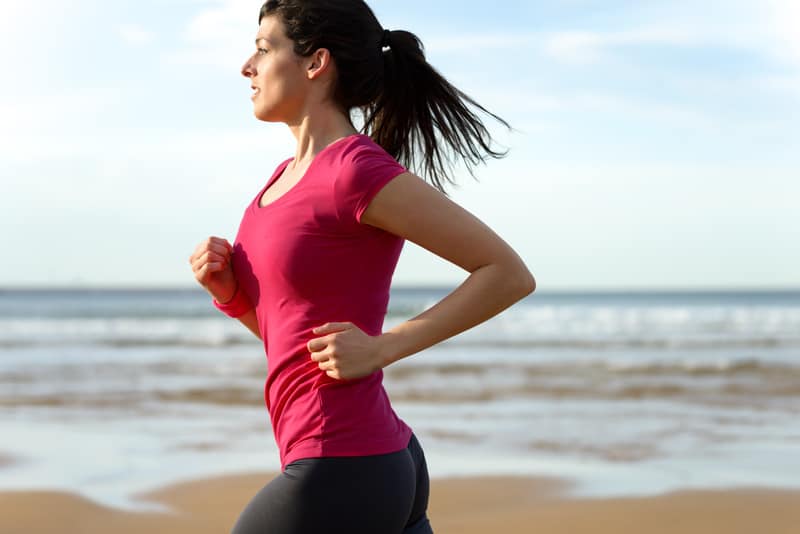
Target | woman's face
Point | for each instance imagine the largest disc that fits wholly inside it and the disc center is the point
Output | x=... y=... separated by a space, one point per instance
x=276 y=73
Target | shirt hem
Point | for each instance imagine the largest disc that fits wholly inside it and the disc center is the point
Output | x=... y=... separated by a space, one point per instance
x=315 y=448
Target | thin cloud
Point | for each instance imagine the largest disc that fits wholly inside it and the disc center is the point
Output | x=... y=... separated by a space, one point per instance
x=589 y=47
x=768 y=28
x=781 y=84
x=784 y=21
x=136 y=35
x=219 y=36
x=465 y=43
x=568 y=46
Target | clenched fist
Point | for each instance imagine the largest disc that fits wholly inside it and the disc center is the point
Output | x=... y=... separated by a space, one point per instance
x=211 y=264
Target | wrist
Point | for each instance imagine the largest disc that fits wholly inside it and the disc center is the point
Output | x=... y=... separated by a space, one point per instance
x=236 y=306
x=228 y=298
x=387 y=350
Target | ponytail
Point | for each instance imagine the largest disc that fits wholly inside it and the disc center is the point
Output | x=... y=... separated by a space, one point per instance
x=409 y=109
x=418 y=111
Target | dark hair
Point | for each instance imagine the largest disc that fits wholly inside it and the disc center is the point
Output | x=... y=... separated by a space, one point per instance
x=408 y=107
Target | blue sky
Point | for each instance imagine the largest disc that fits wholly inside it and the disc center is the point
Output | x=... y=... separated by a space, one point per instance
x=657 y=143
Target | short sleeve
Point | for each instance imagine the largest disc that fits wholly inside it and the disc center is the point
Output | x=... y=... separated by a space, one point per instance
x=366 y=168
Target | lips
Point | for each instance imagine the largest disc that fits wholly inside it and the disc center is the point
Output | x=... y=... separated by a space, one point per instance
x=256 y=90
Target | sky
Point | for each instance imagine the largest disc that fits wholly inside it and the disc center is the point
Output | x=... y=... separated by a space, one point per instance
x=655 y=145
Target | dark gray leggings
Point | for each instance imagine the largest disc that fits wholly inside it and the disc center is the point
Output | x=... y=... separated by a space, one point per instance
x=379 y=494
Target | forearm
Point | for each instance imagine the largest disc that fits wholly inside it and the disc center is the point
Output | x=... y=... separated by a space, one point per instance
x=485 y=293
x=250 y=320
x=232 y=303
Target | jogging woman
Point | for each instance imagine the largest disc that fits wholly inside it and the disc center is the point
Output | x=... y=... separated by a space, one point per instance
x=310 y=269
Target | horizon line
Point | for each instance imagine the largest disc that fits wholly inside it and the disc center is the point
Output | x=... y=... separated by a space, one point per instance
x=429 y=286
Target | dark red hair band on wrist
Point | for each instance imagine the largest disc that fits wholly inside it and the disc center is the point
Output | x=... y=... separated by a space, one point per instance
x=237 y=306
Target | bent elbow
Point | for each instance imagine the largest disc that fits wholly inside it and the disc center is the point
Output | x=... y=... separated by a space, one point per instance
x=530 y=284
x=526 y=284
x=520 y=279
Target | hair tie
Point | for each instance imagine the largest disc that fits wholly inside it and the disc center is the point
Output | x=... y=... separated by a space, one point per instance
x=385 y=39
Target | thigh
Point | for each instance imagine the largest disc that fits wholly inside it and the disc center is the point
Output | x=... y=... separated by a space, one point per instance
x=353 y=495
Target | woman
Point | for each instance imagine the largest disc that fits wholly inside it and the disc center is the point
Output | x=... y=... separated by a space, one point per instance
x=310 y=269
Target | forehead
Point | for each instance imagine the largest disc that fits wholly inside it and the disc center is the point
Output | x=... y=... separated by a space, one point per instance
x=271 y=29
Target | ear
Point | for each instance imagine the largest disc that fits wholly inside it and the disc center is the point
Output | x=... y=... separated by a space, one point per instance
x=318 y=63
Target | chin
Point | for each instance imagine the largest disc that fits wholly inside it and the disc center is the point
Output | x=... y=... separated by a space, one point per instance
x=266 y=115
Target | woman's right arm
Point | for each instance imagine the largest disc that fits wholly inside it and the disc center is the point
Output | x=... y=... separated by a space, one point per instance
x=211 y=264
x=250 y=320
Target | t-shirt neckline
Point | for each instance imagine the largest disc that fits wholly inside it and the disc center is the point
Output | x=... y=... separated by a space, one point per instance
x=282 y=167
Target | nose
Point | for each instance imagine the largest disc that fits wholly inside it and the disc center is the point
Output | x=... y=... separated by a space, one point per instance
x=248 y=71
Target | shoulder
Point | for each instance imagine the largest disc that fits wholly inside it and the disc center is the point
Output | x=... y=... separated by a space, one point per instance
x=362 y=161
x=364 y=168
x=360 y=148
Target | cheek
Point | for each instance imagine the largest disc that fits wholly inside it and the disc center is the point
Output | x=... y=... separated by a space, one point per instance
x=287 y=72
x=285 y=88
x=282 y=90
x=271 y=79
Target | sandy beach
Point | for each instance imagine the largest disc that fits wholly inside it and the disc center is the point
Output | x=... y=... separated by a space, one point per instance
x=458 y=506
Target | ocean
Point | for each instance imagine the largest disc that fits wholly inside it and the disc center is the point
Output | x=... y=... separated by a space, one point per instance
x=111 y=392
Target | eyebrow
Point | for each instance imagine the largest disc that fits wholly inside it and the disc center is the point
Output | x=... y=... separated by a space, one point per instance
x=263 y=39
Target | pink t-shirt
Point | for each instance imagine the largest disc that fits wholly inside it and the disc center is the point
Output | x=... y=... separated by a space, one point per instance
x=305 y=259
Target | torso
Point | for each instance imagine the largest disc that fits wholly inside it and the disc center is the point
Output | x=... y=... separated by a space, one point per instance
x=303 y=258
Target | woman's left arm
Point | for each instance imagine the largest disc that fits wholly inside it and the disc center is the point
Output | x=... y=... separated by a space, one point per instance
x=409 y=207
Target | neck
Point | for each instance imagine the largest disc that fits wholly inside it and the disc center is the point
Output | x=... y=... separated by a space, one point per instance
x=314 y=131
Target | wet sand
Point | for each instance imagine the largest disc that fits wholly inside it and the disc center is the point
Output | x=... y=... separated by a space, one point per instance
x=457 y=506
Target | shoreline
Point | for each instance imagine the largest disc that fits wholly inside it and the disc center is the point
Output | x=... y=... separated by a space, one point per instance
x=464 y=505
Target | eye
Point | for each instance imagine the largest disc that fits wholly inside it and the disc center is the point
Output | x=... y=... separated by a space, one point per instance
x=261 y=50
